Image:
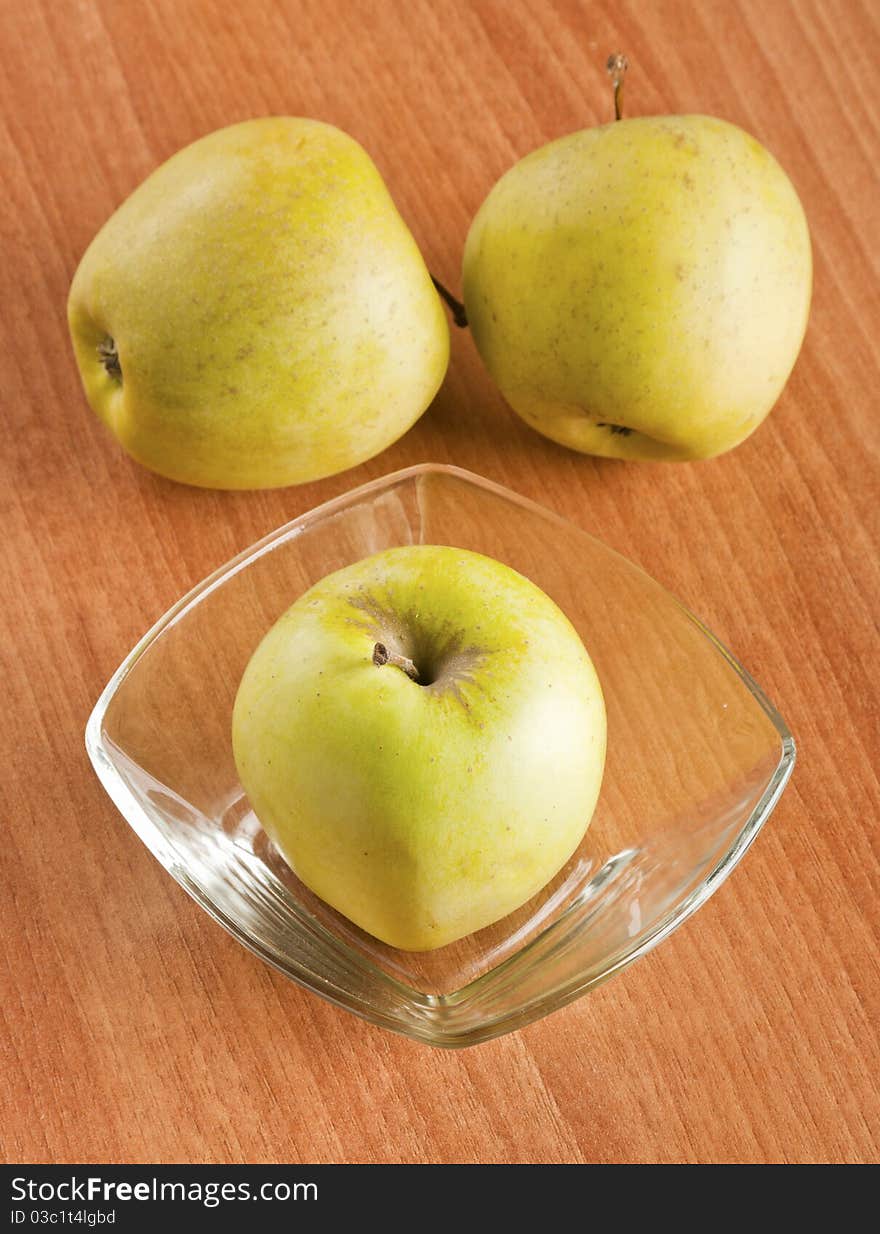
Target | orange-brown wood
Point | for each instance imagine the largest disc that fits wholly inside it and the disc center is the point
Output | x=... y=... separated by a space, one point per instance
x=133 y=1028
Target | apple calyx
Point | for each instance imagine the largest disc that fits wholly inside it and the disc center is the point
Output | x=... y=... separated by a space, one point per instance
x=381 y=655
x=459 y=314
x=616 y=66
x=109 y=357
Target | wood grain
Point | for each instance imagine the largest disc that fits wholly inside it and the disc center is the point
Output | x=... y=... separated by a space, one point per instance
x=134 y=1029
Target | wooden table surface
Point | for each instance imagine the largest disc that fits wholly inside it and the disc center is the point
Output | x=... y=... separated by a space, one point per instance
x=134 y=1028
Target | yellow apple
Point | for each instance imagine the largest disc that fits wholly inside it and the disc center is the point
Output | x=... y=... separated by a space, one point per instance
x=422 y=735
x=641 y=290
x=256 y=313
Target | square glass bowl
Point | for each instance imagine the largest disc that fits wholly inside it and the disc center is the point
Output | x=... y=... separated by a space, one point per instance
x=697 y=758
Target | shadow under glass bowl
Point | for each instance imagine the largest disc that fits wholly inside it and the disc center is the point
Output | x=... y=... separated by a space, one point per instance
x=697 y=758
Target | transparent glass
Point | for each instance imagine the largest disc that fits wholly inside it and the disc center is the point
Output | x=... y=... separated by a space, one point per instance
x=697 y=758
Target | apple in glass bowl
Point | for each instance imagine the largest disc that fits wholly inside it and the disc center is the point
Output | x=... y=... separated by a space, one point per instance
x=422 y=735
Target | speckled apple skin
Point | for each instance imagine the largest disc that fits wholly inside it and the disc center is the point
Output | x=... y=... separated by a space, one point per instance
x=641 y=290
x=273 y=318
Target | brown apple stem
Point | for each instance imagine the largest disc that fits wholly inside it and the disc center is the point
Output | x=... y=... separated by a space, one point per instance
x=381 y=655
x=459 y=316
x=617 y=66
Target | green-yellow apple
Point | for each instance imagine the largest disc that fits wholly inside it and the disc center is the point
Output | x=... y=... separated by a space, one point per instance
x=422 y=735
x=641 y=290
x=256 y=313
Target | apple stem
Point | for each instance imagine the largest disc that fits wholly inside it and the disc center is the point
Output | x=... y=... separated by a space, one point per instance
x=381 y=655
x=459 y=316
x=617 y=66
